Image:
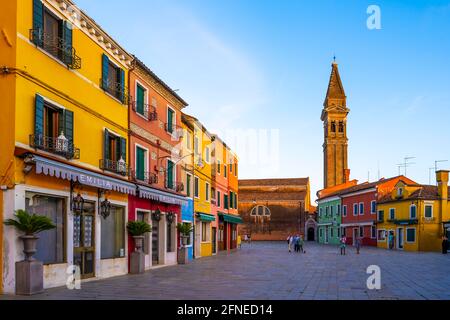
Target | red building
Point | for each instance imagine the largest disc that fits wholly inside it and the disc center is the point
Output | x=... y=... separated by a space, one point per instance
x=359 y=209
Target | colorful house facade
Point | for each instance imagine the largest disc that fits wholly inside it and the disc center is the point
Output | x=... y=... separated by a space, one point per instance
x=155 y=154
x=329 y=220
x=414 y=217
x=64 y=139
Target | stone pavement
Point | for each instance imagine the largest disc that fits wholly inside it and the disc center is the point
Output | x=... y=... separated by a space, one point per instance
x=267 y=271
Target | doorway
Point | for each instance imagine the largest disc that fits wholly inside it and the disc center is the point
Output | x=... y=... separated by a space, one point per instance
x=400 y=238
x=213 y=239
x=155 y=241
x=326 y=234
x=311 y=234
x=84 y=240
x=355 y=235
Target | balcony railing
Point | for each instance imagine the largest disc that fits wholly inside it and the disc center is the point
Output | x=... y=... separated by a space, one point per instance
x=57 y=47
x=60 y=146
x=147 y=177
x=119 y=167
x=173 y=185
x=117 y=90
x=175 y=131
x=148 y=112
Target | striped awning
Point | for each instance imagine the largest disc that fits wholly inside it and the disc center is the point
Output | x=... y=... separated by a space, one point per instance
x=161 y=196
x=205 y=217
x=230 y=218
x=67 y=172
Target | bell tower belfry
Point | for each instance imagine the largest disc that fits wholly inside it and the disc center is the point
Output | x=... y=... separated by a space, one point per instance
x=334 y=117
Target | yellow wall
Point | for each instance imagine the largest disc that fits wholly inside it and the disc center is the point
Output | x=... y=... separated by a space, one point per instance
x=202 y=172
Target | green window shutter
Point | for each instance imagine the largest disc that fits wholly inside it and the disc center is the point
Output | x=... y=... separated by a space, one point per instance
x=122 y=85
x=170 y=120
x=225 y=201
x=39 y=117
x=105 y=67
x=67 y=48
x=235 y=201
x=38 y=22
x=68 y=125
x=140 y=99
x=188 y=185
x=169 y=174
x=218 y=198
x=123 y=149
x=106 y=149
x=140 y=165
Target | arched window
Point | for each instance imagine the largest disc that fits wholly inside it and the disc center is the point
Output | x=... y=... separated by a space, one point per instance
x=333 y=126
x=260 y=211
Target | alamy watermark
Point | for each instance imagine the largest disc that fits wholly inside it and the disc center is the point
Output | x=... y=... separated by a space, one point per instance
x=374 y=19
x=374 y=280
x=73 y=281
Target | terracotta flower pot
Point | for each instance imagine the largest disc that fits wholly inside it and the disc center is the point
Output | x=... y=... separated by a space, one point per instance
x=138 y=243
x=29 y=246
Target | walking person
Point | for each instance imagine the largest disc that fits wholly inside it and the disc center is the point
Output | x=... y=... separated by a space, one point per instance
x=358 y=244
x=444 y=244
x=343 y=244
x=391 y=240
x=239 y=240
x=297 y=243
x=300 y=244
x=289 y=242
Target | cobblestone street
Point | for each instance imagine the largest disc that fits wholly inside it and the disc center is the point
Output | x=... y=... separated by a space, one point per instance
x=267 y=271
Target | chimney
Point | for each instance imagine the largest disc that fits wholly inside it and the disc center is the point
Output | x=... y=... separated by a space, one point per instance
x=442 y=180
x=346 y=175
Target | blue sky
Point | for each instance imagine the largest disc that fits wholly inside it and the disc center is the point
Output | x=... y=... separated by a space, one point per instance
x=265 y=65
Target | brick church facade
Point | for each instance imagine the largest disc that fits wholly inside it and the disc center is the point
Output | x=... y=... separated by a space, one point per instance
x=272 y=209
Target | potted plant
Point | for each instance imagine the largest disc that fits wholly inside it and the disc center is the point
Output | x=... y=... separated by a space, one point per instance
x=138 y=229
x=29 y=272
x=185 y=230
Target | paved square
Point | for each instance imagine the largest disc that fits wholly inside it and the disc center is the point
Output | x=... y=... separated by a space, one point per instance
x=267 y=271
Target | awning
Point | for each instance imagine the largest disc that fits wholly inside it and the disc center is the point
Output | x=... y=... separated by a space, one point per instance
x=325 y=224
x=230 y=218
x=161 y=196
x=205 y=217
x=357 y=224
x=64 y=171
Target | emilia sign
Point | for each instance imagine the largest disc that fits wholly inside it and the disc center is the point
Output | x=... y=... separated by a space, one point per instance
x=94 y=181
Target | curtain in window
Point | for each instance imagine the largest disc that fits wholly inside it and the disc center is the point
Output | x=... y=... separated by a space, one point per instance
x=113 y=234
x=51 y=244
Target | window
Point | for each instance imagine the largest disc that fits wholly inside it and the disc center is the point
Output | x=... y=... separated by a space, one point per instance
x=428 y=211
x=331 y=232
x=113 y=79
x=141 y=94
x=188 y=141
x=143 y=216
x=141 y=163
x=115 y=153
x=53 y=128
x=373 y=232
x=355 y=209
x=225 y=170
x=381 y=235
x=188 y=184
x=170 y=120
x=196 y=146
x=341 y=126
x=411 y=235
x=344 y=210
x=326 y=211
x=218 y=198
x=333 y=126
x=361 y=208
x=113 y=234
x=391 y=213
x=231 y=167
x=413 y=211
x=361 y=232
x=196 y=193
x=207 y=154
x=205 y=232
x=207 y=191
x=338 y=232
x=170 y=175
x=399 y=192
x=51 y=244
x=331 y=210
x=373 y=207
x=338 y=207
x=320 y=212
x=231 y=200
x=218 y=166
x=321 y=232
x=380 y=215
x=225 y=201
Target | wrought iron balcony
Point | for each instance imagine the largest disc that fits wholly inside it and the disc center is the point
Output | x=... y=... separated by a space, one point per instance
x=173 y=185
x=119 y=167
x=175 y=131
x=117 y=90
x=60 y=146
x=146 y=177
x=57 y=47
x=148 y=111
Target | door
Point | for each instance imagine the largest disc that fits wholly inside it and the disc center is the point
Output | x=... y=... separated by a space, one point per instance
x=326 y=234
x=221 y=245
x=155 y=242
x=400 y=238
x=213 y=239
x=83 y=240
x=311 y=234
x=198 y=238
x=355 y=235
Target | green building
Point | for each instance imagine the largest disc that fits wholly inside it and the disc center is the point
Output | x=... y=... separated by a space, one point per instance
x=329 y=220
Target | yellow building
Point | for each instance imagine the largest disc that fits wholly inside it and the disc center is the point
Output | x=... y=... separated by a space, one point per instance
x=414 y=217
x=205 y=227
x=63 y=134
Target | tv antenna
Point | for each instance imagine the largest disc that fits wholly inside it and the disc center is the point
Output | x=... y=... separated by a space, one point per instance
x=405 y=164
